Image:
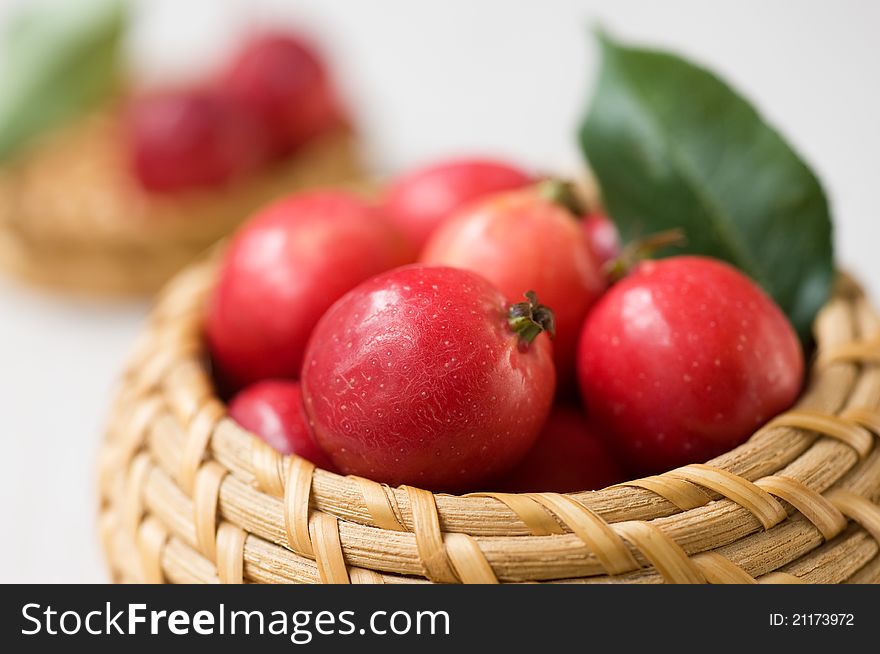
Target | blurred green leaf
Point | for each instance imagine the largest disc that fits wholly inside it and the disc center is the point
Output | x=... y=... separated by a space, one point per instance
x=56 y=60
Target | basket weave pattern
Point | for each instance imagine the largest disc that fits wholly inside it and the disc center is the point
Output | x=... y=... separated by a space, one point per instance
x=188 y=496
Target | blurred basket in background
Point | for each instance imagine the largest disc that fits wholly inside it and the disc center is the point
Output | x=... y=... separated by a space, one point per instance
x=73 y=217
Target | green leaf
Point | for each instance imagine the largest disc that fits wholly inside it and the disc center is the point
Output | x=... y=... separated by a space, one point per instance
x=674 y=146
x=56 y=61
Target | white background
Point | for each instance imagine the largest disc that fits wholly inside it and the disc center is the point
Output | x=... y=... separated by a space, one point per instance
x=426 y=78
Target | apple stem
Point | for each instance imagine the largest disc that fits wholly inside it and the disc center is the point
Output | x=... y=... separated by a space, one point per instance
x=641 y=249
x=530 y=318
x=563 y=193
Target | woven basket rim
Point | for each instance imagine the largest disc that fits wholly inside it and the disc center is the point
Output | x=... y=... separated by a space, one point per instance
x=736 y=510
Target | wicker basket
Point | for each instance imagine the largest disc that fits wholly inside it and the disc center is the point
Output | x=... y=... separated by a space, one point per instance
x=188 y=496
x=73 y=217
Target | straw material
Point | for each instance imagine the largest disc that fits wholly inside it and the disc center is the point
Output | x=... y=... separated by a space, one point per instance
x=72 y=216
x=188 y=496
